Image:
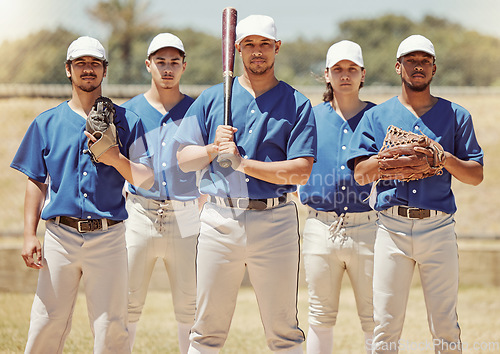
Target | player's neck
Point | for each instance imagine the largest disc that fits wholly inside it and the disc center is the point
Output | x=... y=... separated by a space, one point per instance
x=258 y=84
x=417 y=102
x=347 y=105
x=81 y=102
x=163 y=99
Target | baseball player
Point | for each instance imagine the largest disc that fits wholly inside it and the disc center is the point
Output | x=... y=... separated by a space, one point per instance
x=84 y=210
x=164 y=220
x=339 y=232
x=249 y=220
x=416 y=224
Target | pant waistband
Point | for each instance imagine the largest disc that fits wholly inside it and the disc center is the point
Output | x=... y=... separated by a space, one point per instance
x=169 y=204
x=249 y=204
x=85 y=225
x=413 y=213
x=353 y=218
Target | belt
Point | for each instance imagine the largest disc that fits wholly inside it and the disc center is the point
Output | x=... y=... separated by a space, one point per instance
x=85 y=225
x=248 y=204
x=413 y=213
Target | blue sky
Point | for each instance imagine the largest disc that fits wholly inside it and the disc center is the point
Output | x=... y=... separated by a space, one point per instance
x=306 y=18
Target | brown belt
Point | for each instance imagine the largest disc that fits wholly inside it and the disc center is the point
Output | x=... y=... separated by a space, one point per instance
x=413 y=213
x=248 y=204
x=85 y=225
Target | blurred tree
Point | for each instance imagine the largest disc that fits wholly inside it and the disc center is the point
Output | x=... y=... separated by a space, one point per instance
x=36 y=59
x=128 y=20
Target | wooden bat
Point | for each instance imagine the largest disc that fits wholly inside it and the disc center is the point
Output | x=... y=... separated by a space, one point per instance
x=229 y=17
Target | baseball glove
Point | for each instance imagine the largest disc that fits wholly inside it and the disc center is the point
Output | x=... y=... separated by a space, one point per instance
x=100 y=123
x=407 y=156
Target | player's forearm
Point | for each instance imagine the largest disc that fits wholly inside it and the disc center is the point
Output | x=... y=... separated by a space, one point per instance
x=366 y=169
x=135 y=173
x=469 y=172
x=33 y=203
x=194 y=157
x=295 y=171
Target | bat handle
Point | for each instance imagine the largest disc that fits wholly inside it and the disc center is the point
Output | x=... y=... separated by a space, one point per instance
x=224 y=161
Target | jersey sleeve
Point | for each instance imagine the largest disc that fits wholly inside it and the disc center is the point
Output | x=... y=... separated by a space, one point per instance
x=29 y=157
x=363 y=140
x=192 y=129
x=136 y=146
x=466 y=144
x=303 y=137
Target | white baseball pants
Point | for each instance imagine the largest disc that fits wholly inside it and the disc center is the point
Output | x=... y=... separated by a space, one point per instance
x=100 y=259
x=402 y=243
x=266 y=243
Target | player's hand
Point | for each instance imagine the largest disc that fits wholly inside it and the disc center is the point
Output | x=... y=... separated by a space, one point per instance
x=110 y=156
x=224 y=133
x=32 y=253
x=230 y=151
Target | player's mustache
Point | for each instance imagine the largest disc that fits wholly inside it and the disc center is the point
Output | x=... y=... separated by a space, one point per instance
x=88 y=75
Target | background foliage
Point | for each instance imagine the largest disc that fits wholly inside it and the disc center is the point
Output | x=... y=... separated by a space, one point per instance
x=464 y=57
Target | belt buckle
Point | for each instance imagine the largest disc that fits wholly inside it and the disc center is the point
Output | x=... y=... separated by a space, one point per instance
x=247 y=203
x=89 y=225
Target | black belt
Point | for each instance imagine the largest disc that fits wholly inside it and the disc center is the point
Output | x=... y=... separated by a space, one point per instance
x=248 y=204
x=413 y=213
x=85 y=225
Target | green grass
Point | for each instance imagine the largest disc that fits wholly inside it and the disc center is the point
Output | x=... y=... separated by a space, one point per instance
x=157 y=332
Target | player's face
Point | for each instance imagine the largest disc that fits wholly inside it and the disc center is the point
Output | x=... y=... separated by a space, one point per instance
x=166 y=67
x=416 y=70
x=258 y=54
x=345 y=77
x=86 y=73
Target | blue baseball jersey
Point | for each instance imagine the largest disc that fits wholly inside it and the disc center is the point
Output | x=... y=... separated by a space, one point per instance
x=446 y=122
x=331 y=186
x=53 y=152
x=276 y=126
x=170 y=182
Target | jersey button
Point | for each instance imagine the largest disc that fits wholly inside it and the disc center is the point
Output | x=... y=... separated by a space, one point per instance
x=250 y=131
x=89 y=217
x=164 y=124
x=344 y=147
x=342 y=167
x=245 y=157
x=247 y=179
x=85 y=195
x=164 y=183
x=346 y=131
x=345 y=208
x=414 y=191
x=163 y=143
x=343 y=188
x=252 y=111
x=84 y=173
x=164 y=164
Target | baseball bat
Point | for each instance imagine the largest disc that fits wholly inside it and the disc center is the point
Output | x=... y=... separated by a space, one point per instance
x=229 y=16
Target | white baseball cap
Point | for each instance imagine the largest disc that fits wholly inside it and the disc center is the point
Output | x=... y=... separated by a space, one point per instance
x=256 y=25
x=164 y=40
x=344 y=50
x=86 y=46
x=415 y=43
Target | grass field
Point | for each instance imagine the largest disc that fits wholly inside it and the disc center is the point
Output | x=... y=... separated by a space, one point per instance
x=478 y=313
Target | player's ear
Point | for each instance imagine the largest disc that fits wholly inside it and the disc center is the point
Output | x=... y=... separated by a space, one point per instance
x=68 y=70
x=277 y=46
x=148 y=65
x=327 y=77
x=363 y=75
x=238 y=48
x=398 y=68
x=434 y=68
